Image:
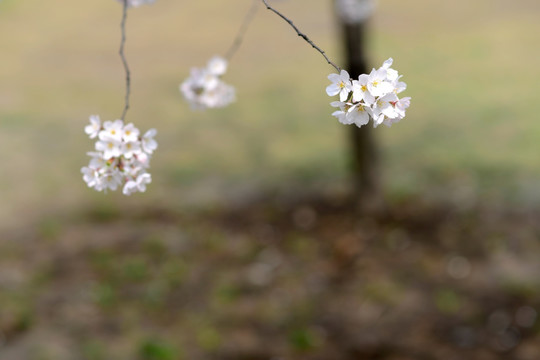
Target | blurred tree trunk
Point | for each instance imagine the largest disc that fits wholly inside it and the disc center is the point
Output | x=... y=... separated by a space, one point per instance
x=364 y=158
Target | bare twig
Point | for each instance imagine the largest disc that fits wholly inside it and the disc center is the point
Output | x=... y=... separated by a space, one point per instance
x=242 y=31
x=303 y=36
x=123 y=57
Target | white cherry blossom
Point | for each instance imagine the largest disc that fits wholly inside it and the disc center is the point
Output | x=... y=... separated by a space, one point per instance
x=112 y=130
x=137 y=185
x=342 y=113
x=217 y=66
x=373 y=96
x=148 y=142
x=360 y=90
x=95 y=126
x=384 y=108
x=359 y=114
x=130 y=148
x=204 y=88
x=92 y=177
x=130 y=133
x=378 y=85
x=121 y=159
x=109 y=146
x=391 y=74
x=220 y=96
x=111 y=179
x=341 y=84
x=400 y=106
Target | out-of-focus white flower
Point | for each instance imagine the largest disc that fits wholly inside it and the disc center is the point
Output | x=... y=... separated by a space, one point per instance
x=130 y=148
x=384 y=108
x=400 y=106
x=112 y=130
x=342 y=113
x=378 y=84
x=92 y=177
x=217 y=66
x=131 y=133
x=121 y=157
x=97 y=161
x=204 y=88
x=137 y=185
x=354 y=11
x=220 y=96
x=360 y=90
x=143 y=160
x=391 y=74
x=359 y=114
x=111 y=179
x=341 y=84
x=136 y=3
x=110 y=147
x=130 y=187
x=95 y=126
x=372 y=96
x=148 y=142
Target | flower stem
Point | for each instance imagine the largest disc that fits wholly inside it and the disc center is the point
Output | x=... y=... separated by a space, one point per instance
x=123 y=57
x=242 y=31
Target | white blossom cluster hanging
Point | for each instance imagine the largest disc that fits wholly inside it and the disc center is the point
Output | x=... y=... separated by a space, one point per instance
x=205 y=89
x=122 y=156
x=372 y=96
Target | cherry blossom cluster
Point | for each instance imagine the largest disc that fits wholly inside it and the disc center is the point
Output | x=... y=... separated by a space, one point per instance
x=136 y=3
x=205 y=89
x=122 y=156
x=372 y=96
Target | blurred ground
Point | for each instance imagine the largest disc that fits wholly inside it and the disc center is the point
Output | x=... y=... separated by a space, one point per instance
x=246 y=245
x=275 y=279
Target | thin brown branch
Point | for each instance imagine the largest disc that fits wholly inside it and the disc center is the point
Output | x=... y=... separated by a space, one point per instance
x=242 y=31
x=123 y=57
x=302 y=35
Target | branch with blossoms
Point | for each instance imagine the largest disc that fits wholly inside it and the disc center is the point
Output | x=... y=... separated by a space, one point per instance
x=204 y=88
x=372 y=96
x=122 y=156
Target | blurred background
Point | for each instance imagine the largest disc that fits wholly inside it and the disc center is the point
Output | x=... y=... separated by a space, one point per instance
x=247 y=244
